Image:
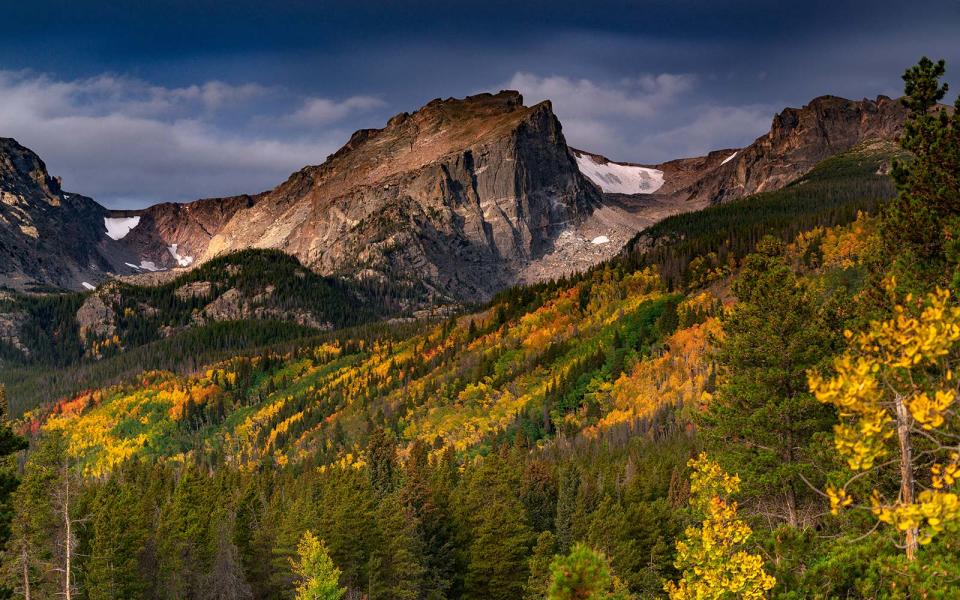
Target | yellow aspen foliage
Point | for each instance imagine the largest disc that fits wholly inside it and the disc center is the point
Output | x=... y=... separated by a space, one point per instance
x=894 y=389
x=711 y=557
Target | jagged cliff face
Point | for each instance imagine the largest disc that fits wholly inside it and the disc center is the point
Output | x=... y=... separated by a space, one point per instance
x=459 y=196
x=799 y=138
x=48 y=237
x=461 y=199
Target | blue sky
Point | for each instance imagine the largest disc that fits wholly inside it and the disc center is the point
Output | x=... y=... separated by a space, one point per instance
x=141 y=102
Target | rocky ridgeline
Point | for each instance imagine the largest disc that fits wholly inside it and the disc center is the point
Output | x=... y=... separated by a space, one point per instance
x=460 y=199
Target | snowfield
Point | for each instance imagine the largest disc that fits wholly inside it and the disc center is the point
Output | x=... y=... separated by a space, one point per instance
x=118 y=228
x=600 y=239
x=614 y=178
x=729 y=158
x=183 y=261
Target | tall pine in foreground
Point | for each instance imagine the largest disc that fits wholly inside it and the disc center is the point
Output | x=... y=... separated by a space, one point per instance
x=763 y=422
x=922 y=225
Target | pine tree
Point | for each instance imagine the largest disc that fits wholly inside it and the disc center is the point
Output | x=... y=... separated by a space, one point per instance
x=500 y=535
x=10 y=444
x=319 y=576
x=396 y=562
x=423 y=497
x=922 y=223
x=567 y=507
x=763 y=421
x=184 y=536
x=543 y=554
x=118 y=539
x=584 y=574
x=382 y=461
x=38 y=561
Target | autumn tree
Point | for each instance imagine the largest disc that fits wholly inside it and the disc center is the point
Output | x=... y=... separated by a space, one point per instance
x=319 y=577
x=711 y=558
x=896 y=392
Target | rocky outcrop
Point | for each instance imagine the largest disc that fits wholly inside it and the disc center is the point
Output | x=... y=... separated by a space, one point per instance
x=233 y=305
x=96 y=318
x=458 y=199
x=48 y=237
x=798 y=139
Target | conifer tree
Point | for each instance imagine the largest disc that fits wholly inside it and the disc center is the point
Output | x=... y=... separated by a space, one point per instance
x=39 y=561
x=424 y=499
x=922 y=223
x=543 y=554
x=762 y=420
x=396 y=561
x=584 y=574
x=499 y=533
x=118 y=539
x=10 y=444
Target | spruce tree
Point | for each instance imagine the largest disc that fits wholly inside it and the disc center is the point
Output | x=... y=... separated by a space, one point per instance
x=10 y=444
x=119 y=536
x=543 y=554
x=921 y=225
x=396 y=561
x=763 y=422
x=500 y=537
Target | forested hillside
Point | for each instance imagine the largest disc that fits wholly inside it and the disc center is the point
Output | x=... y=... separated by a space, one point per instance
x=757 y=400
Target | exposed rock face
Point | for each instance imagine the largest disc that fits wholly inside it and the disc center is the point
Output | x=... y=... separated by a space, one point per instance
x=232 y=305
x=96 y=317
x=189 y=226
x=799 y=138
x=48 y=236
x=459 y=196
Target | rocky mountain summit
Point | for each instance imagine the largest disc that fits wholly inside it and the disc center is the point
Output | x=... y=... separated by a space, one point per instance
x=458 y=199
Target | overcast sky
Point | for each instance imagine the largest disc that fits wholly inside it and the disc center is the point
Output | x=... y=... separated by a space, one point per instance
x=140 y=102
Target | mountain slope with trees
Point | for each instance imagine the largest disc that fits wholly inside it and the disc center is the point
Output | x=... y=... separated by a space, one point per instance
x=786 y=427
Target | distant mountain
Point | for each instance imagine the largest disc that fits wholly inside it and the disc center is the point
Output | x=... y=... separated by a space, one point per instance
x=49 y=238
x=460 y=196
x=459 y=199
x=799 y=138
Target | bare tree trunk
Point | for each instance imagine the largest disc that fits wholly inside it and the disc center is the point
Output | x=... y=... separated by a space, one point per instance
x=69 y=542
x=906 y=471
x=25 y=561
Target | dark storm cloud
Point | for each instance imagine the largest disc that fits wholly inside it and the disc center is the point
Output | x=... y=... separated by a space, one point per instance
x=136 y=102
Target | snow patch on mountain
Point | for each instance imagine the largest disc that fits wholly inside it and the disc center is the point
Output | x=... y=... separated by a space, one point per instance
x=183 y=261
x=119 y=227
x=729 y=158
x=616 y=178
